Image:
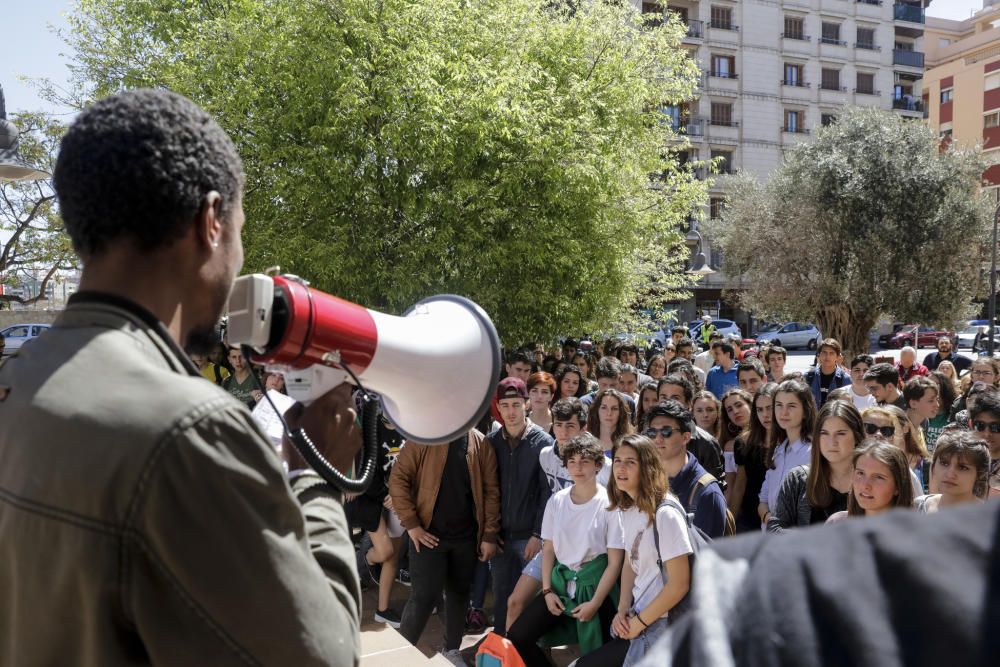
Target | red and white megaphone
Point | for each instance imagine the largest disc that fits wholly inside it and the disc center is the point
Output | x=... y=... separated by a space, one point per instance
x=435 y=368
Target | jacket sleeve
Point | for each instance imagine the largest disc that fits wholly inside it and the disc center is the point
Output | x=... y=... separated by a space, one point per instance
x=785 y=513
x=219 y=551
x=491 y=490
x=710 y=515
x=402 y=486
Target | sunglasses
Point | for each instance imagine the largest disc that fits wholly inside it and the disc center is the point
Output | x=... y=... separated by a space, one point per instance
x=886 y=431
x=994 y=427
x=666 y=432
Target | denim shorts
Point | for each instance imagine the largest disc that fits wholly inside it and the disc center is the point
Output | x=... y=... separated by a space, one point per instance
x=534 y=568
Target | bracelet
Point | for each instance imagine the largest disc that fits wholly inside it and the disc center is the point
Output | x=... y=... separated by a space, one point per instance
x=640 y=620
x=546 y=591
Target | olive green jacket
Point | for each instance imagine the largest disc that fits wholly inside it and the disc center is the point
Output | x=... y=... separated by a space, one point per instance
x=144 y=517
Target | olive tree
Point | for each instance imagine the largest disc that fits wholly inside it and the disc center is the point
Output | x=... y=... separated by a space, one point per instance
x=871 y=219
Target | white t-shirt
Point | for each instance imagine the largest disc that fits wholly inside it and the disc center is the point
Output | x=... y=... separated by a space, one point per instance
x=729 y=461
x=580 y=533
x=862 y=402
x=640 y=553
x=557 y=475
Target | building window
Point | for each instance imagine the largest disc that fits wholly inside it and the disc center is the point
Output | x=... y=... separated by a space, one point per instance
x=722 y=114
x=725 y=163
x=795 y=27
x=723 y=66
x=715 y=206
x=866 y=83
x=947 y=95
x=827 y=119
x=992 y=81
x=943 y=42
x=722 y=18
x=866 y=38
x=794 y=75
x=794 y=121
x=992 y=119
x=831 y=33
x=831 y=79
x=653 y=8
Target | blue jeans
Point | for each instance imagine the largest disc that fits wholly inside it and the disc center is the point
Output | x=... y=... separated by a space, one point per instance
x=506 y=569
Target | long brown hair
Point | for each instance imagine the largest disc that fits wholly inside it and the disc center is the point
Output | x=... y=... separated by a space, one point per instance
x=802 y=392
x=726 y=426
x=753 y=442
x=913 y=438
x=653 y=484
x=892 y=457
x=818 y=483
x=624 y=425
x=708 y=396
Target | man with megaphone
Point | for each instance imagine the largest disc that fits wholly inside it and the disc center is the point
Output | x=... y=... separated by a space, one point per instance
x=144 y=517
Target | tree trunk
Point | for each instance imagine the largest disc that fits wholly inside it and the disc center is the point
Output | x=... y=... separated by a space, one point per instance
x=848 y=326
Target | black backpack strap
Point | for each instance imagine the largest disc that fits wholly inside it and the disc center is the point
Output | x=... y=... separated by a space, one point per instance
x=666 y=502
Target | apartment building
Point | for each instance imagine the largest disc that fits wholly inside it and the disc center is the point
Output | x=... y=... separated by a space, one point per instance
x=773 y=71
x=961 y=87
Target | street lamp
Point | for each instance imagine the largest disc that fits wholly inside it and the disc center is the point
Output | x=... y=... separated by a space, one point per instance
x=12 y=166
x=700 y=266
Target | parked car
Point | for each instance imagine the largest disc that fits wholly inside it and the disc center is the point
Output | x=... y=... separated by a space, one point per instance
x=925 y=336
x=885 y=339
x=967 y=335
x=15 y=336
x=724 y=327
x=790 y=335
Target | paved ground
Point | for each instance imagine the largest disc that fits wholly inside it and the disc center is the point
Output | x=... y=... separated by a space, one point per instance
x=802 y=360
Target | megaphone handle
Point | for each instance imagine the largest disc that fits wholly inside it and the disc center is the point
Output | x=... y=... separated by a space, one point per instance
x=305 y=446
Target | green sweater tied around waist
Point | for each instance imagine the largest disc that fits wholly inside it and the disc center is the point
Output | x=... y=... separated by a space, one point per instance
x=571 y=631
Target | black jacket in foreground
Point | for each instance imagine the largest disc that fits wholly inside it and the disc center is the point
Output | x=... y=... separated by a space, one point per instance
x=901 y=589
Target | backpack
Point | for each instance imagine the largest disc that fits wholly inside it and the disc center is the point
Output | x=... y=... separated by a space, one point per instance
x=497 y=651
x=703 y=482
x=699 y=540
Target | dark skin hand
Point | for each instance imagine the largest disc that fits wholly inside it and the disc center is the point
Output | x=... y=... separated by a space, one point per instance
x=331 y=423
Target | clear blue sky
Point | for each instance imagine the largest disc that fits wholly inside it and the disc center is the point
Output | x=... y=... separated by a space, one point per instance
x=28 y=46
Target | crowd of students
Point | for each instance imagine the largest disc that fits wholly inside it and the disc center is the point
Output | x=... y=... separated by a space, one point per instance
x=599 y=469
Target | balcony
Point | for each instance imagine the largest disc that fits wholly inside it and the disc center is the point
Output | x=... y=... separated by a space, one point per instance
x=696 y=29
x=720 y=74
x=868 y=91
x=908 y=104
x=695 y=127
x=723 y=25
x=866 y=46
x=909 y=13
x=908 y=58
x=870 y=2
x=797 y=36
x=833 y=88
x=723 y=122
x=792 y=129
x=834 y=42
x=794 y=83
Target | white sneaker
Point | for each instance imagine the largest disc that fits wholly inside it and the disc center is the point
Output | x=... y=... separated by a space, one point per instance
x=454 y=656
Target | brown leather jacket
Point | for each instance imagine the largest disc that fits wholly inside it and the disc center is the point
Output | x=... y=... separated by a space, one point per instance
x=416 y=479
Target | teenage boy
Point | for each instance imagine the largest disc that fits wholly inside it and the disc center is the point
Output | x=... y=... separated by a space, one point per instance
x=569 y=419
x=685 y=350
x=922 y=401
x=669 y=425
x=984 y=419
x=677 y=334
x=859 y=393
x=777 y=356
x=241 y=383
x=675 y=387
x=518 y=365
x=751 y=375
x=882 y=382
x=705 y=360
x=722 y=377
x=629 y=381
x=524 y=490
x=826 y=376
x=448 y=499
x=609 y=376
x=581 y=562
x=945 y=353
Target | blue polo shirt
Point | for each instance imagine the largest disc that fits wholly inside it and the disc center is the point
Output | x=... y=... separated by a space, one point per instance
x=719 y=381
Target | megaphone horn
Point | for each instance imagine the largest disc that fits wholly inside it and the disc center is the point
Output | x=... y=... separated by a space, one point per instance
x=435 y=368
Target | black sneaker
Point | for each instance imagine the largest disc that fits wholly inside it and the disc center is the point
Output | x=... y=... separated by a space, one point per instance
x=367 y=572
x=475 y=621
x=389 y=617
x=403 y=577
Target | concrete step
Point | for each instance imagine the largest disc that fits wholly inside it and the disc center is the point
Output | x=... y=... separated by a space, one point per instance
x=381 y=646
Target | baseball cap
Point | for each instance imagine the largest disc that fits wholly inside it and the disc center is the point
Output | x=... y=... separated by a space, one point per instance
x=512 y=388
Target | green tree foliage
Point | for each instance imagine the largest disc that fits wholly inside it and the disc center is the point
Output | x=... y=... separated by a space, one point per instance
x=499 y=149
x=34 y=242
x=871 y=219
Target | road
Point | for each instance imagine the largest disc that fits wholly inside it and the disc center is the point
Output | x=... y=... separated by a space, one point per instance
x=802 y=360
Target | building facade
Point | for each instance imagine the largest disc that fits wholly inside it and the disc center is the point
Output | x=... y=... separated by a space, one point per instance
x=773 y=71
x=961 y=87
